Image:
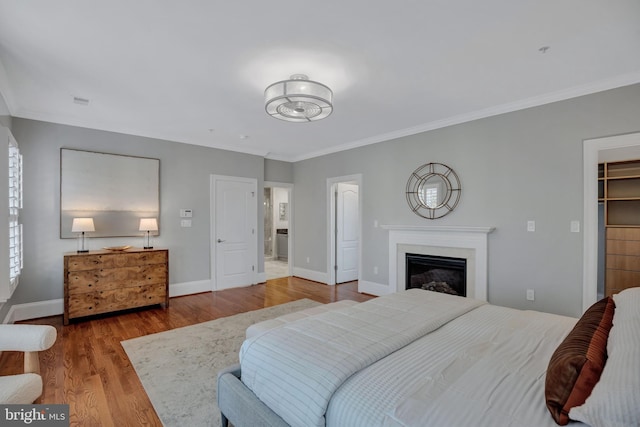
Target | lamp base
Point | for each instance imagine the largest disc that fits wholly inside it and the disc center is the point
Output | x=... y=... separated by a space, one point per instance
x=82 y=251
x=148 y=247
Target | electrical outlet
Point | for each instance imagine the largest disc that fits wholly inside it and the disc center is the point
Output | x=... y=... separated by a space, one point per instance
x=530 y=295
x=375 y=270
x=308 y=259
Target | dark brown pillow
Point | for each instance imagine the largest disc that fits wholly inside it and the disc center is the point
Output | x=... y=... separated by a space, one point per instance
x=576 y=365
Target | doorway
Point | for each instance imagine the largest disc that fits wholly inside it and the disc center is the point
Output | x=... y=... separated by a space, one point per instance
x=592 y=149
x=277 y=230
x=344 y=228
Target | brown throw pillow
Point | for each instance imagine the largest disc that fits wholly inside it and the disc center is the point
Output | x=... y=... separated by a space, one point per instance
x=576 y=365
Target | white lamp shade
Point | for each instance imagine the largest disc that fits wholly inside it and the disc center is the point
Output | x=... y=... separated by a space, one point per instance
x=148 y=224
x=82 y=224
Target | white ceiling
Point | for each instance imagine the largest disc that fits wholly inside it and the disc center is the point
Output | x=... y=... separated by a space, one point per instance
x=194 y=71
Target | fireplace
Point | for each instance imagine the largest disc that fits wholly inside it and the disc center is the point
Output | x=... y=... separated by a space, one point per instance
x=436 y=273
x=468 y=243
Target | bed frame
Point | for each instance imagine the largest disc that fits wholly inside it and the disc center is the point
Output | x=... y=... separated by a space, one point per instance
x=239 y=405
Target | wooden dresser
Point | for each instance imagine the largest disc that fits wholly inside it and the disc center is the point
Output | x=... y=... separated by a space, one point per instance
x=106 y=281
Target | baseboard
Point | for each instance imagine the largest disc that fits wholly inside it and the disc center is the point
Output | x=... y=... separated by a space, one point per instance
x=34 y=310
x=188 y=288
x=316 y=276
x=199 y=286
x=55 y=307
x=373 y=288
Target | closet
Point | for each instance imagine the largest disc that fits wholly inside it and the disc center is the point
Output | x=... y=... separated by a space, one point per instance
x=619 y=191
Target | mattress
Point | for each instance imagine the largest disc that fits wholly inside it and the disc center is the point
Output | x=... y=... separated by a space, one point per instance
x=484 y=368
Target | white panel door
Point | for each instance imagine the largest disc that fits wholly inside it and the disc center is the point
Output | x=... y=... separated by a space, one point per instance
x=235 y=228
x=347 y=234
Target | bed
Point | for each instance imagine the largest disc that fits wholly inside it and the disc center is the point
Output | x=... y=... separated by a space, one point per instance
x=421 y=358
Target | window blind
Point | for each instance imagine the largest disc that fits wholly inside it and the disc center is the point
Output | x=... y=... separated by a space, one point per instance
x=15 y=204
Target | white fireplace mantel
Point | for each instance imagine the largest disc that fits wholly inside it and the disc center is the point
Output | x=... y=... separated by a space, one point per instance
x=441 y=228
x=465 y=242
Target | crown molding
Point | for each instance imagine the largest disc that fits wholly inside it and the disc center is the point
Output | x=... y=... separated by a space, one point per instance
x=548 y=98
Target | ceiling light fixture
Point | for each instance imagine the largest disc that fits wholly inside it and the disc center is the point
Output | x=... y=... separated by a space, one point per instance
x=298 y=100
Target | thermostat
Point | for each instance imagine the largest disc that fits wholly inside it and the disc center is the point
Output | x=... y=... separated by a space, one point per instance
x=186 y=213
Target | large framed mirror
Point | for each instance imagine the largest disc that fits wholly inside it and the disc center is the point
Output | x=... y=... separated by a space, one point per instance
x=115 y=190
x=433 y=190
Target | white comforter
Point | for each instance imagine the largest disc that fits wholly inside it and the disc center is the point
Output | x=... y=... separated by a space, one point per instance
x=295 y=369
x=485 y=368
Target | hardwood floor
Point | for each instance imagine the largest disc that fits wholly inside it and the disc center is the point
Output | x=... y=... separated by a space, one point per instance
x=88 y=368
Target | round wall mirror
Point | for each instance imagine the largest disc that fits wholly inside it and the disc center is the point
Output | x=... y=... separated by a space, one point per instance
x=433 y=190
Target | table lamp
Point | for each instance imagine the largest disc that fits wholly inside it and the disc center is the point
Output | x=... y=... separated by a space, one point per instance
x=148 y=225
x=80 y=226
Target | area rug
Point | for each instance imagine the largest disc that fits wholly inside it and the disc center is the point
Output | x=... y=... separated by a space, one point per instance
x=178 y=368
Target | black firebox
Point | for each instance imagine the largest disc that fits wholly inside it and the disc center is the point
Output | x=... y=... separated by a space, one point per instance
x=436 y=273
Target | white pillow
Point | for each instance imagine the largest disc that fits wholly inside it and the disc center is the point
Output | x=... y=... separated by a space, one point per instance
x=615 y=399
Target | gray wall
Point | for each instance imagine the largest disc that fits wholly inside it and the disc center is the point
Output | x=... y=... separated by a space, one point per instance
x=5 y=117
x=278 y=171
x=525 y=165
x=184 y=183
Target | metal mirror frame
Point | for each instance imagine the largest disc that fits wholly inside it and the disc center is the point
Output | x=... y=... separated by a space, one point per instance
x=417 y=180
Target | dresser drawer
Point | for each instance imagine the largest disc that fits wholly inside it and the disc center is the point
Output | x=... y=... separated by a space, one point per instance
x=90 y=303
x=113 y=278
x=126 y=259
x=623 y=262
x=623 y=247
x=623 y=233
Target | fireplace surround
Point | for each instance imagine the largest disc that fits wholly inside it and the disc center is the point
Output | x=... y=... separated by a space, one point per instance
x=469 y=243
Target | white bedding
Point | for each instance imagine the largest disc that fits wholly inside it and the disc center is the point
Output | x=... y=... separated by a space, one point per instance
x=485 y=368
x=296 y=368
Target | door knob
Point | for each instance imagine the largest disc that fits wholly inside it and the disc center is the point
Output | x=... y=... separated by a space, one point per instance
x=220 y=240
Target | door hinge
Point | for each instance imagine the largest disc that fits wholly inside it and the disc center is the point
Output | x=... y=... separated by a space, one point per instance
x=335 y=267
x=253 y=268
x=253 y=231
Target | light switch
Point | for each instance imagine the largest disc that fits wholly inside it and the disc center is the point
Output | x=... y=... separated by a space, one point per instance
x=575 y=226
x=531 y=226
x=185 y=223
